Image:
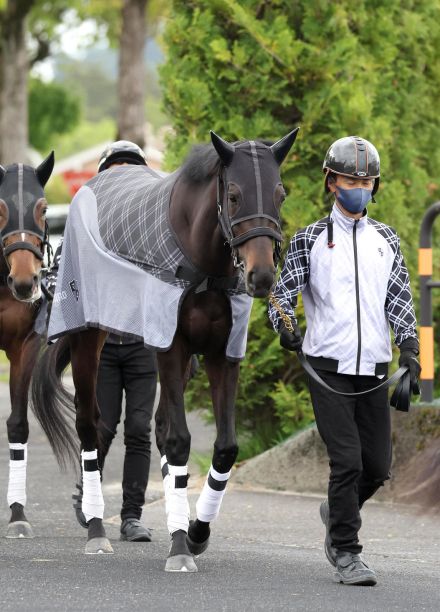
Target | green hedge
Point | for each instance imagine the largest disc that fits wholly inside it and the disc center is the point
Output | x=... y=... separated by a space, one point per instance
x=253 y=69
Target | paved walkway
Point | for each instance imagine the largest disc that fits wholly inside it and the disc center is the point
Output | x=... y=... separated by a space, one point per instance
x=266 y=550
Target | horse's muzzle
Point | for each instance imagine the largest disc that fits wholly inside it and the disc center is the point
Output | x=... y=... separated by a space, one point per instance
x=25 y=290
x=260 y=282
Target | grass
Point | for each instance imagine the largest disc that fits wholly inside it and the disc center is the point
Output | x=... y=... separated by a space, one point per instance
x=4 y=367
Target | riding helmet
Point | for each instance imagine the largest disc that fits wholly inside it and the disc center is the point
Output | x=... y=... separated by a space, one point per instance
x=122 y=151
x=353 y=156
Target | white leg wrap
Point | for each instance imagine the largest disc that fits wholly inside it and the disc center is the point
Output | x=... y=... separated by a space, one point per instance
x=210 y=500
x=176 y=495
x=17 y=474
x=93 y=501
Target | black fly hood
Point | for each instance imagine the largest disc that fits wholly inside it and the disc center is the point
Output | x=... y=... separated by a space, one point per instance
x=21 y=190
x=251 y=171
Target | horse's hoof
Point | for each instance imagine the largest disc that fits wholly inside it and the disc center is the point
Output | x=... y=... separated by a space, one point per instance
x=19 y=529
x=98 y=546
x=181 y=563
x=197 y=548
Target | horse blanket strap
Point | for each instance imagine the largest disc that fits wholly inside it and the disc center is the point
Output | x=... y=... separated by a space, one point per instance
x=207 y=282
x=21 y=245
x=400 y=399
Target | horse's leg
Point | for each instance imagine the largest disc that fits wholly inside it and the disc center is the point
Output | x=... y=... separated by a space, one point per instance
x=223 y=378
x=174 y=440
x=22 y=355
x=85 y=351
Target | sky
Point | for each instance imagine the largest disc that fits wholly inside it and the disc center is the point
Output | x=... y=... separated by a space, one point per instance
x=73 y=41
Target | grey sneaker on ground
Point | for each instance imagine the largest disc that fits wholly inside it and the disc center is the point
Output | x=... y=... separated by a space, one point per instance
x=329 y=549
x=132 y=530
x=350 y=569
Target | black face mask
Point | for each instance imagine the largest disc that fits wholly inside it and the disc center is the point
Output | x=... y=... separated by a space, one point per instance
x=21 y=191
x=255 y=174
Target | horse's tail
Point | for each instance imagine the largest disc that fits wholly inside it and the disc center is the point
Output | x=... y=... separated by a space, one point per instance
x=52 y=403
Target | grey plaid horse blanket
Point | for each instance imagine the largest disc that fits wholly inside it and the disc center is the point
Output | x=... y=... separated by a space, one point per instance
x=119 y=263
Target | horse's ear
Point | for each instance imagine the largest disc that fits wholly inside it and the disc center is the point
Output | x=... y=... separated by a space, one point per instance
x=283 y=146
x=44 y=170
x=2 y=173
x=224 y=149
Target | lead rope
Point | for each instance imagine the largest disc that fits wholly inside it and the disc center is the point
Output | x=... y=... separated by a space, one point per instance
x=402 y=395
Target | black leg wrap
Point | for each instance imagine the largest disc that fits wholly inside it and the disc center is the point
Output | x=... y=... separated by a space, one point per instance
x=96 y=529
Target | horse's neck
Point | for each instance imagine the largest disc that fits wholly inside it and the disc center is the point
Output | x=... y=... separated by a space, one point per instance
x=193 y=216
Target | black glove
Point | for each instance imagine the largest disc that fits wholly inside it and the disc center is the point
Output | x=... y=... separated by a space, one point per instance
x=408 y=358
x=292 y=341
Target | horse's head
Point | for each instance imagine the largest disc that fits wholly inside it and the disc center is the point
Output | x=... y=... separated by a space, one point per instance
x=250 y=194
x=23 y=227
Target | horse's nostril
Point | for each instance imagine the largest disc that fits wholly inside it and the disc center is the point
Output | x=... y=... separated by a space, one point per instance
x=35 y=278
x=10 y=281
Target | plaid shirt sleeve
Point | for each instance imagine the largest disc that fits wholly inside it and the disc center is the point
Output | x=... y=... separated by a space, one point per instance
x=51 y=278
x=399 y=304
x=293 y=277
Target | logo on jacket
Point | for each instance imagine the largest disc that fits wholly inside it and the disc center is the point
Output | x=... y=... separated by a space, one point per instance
x=380 y=251
x=74 y=289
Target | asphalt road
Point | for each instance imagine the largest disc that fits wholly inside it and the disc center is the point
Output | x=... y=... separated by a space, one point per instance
x=266 y=550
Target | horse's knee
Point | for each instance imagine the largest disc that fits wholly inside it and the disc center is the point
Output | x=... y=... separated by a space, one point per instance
x=177 y=447
x=224 y=458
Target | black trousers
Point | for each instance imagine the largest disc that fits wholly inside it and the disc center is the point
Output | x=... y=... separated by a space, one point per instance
x=131 y=368
x=357 y=434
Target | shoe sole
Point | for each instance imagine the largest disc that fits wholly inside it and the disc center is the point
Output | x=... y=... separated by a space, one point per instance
x=371 y=581
x=327 y=543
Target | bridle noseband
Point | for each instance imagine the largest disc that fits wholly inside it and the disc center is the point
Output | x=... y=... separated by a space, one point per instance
x=227 y=224
x=24 y=245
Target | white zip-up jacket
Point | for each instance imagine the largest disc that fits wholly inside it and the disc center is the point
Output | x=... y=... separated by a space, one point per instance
x=352 y=293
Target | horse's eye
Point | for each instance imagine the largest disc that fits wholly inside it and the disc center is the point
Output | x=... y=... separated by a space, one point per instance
x=44 y=211
x=233 y=198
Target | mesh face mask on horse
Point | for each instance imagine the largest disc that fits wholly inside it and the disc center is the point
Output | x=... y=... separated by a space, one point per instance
x=23 y=236
x=249 y=188
x=23 y=226
x=223 y=237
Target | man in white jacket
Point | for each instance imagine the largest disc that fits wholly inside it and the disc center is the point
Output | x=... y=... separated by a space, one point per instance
x=355 y=285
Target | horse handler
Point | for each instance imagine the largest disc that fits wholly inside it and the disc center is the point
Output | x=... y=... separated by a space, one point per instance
x=125 y=366
x=355 y=285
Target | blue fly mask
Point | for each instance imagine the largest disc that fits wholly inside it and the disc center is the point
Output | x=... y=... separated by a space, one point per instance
x=249 y=187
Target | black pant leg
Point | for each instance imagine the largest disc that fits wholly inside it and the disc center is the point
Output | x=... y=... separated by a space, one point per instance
x=140 y=383
x=374 y=425
x=109 y=389
x=335 y=419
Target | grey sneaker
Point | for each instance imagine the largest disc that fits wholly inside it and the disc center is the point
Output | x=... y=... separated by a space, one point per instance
x=132 y=530
x=329 y=549
x=350 y=569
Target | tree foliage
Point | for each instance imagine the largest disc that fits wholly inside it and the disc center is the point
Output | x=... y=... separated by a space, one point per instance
x=53 y=110
x=256 y=69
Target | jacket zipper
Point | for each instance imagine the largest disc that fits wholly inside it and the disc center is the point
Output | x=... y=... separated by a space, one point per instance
x=358 y=306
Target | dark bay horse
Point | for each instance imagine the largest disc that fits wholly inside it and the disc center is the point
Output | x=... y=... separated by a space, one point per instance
x=225 y=212
x=23 y=231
